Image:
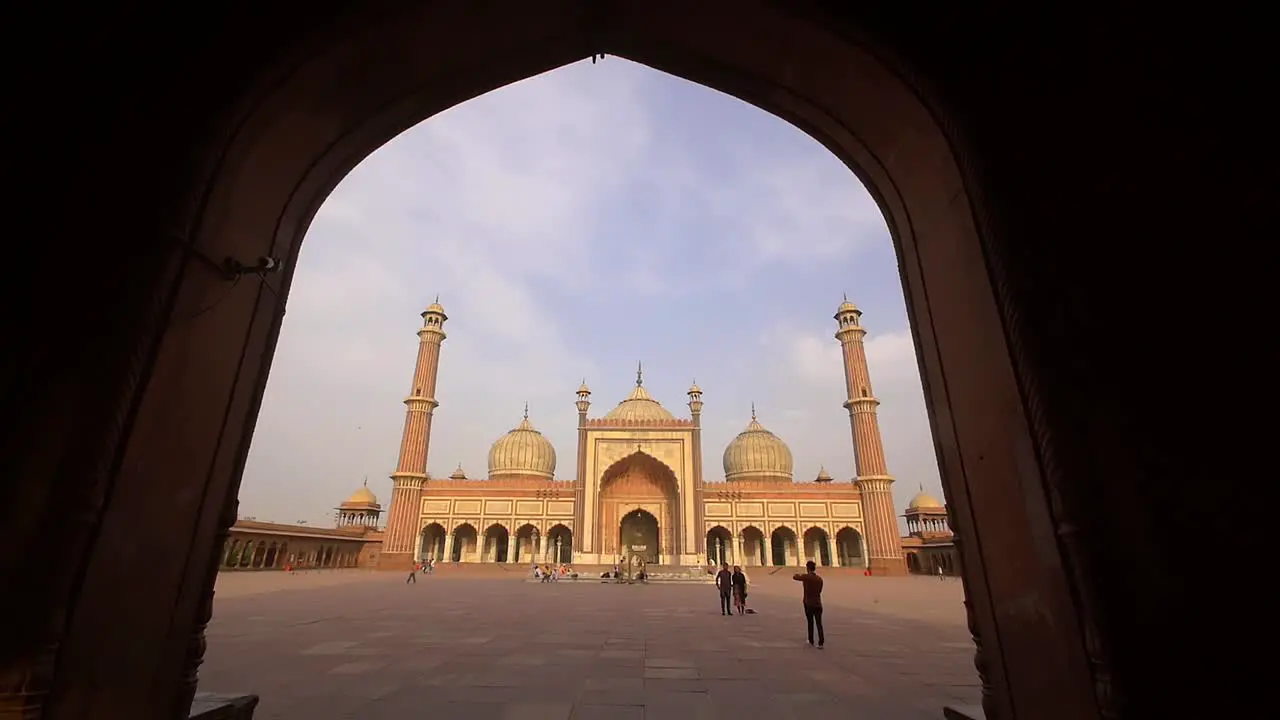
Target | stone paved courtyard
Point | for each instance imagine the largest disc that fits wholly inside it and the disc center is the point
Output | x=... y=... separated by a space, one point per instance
x=360 y=644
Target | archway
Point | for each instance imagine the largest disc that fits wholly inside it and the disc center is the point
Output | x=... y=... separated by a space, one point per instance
x=432 y=545
x=233 y=554
x=270 y=560
x=246 y=555
x=464 y=543
x=638 y=482
x=913 y=563
x=526 y=544
x=559 y=545
x=720 y=546
x=754 y=548
x=849 y=548
x=784 y=547
x=638 y=534
x=286 y=161
x=817 y=546
x=497 y=544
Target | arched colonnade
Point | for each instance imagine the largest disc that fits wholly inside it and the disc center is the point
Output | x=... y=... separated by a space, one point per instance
x=500 y=541
x=842 y=546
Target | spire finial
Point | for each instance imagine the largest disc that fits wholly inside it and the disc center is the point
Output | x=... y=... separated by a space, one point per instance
x=526 y=409
x=846 y=297
x=639 y=374
x=366 y=481
x=921 y=488
x=753 y=410
x=437 y=298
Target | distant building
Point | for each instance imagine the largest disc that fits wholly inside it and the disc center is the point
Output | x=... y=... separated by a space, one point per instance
x=355 y=541
x=929 y=545
x=638 y=490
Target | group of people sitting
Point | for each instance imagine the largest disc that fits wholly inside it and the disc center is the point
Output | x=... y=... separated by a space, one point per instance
x=547 y=573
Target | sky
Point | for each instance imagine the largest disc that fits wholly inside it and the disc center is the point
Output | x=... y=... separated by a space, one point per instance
x=574 y=224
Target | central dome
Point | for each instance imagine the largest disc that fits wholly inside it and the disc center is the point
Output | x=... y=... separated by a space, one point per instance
x=757 y=453
x=523 y=451
x=639 y=405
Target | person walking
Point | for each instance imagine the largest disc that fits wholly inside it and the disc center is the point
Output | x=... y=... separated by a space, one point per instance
x=739 y=590
x=812 y=601
x=413 y=575
x=724 y=583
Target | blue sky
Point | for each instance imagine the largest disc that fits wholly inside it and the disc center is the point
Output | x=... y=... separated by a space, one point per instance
x=573 y=224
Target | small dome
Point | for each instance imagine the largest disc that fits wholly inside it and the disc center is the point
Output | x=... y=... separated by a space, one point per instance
x=924 y=501
x=639 y=406
x=823 y=475
x=362 y=496
x=694 y=389
x=434 y=307
x=523 y=451
x=756 y=452
x=846 y=307
x=583 y=389
x=458 y=474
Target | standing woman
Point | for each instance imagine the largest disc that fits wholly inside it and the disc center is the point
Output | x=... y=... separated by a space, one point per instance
x=739 y=581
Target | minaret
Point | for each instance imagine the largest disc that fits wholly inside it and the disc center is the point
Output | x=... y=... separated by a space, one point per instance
x=580 y=480
x=411 y=472
x=695 y=412
x=884 y=546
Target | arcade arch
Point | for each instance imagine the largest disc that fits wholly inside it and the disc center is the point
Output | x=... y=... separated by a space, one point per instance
x=559 y=545
x=497 y=544
x=432 y=543
x=817 y=546
x=783 y=547
x=720 y=547
x=849 y=548
x=755 y=548
x=465 y=544
x=526 y=547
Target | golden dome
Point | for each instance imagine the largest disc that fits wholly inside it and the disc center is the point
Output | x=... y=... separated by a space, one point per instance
x=362 y=496
x=846 y=307
x=639 y=405
x=756 y=452
x=924 y=501
x=694 y=389
x=458 y=474
x=523 y=451
x=823 y=475
x=583 y=389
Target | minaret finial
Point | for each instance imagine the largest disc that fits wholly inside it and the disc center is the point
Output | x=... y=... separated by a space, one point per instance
x=366 y=481
x=753 y=410
x=437 y=298
x=526 y=409
x=639 y=373
x=846 y=297
x=921 y=488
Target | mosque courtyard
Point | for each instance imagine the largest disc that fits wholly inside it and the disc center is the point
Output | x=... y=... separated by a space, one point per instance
x=363 y=644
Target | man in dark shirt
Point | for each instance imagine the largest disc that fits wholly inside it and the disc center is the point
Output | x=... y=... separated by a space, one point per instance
x=812 y=600
x=724 y=583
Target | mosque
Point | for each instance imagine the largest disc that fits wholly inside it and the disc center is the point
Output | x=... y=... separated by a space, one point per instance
x=637 y=488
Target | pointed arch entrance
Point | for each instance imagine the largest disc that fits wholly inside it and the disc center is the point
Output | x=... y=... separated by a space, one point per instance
x=638 y=494
x=638 y=535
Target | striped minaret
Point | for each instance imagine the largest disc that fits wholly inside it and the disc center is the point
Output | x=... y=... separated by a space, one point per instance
x=411 y=472
x=883 y=543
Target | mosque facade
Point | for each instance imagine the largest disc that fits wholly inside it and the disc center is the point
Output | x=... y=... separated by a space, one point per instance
x=637 y=486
